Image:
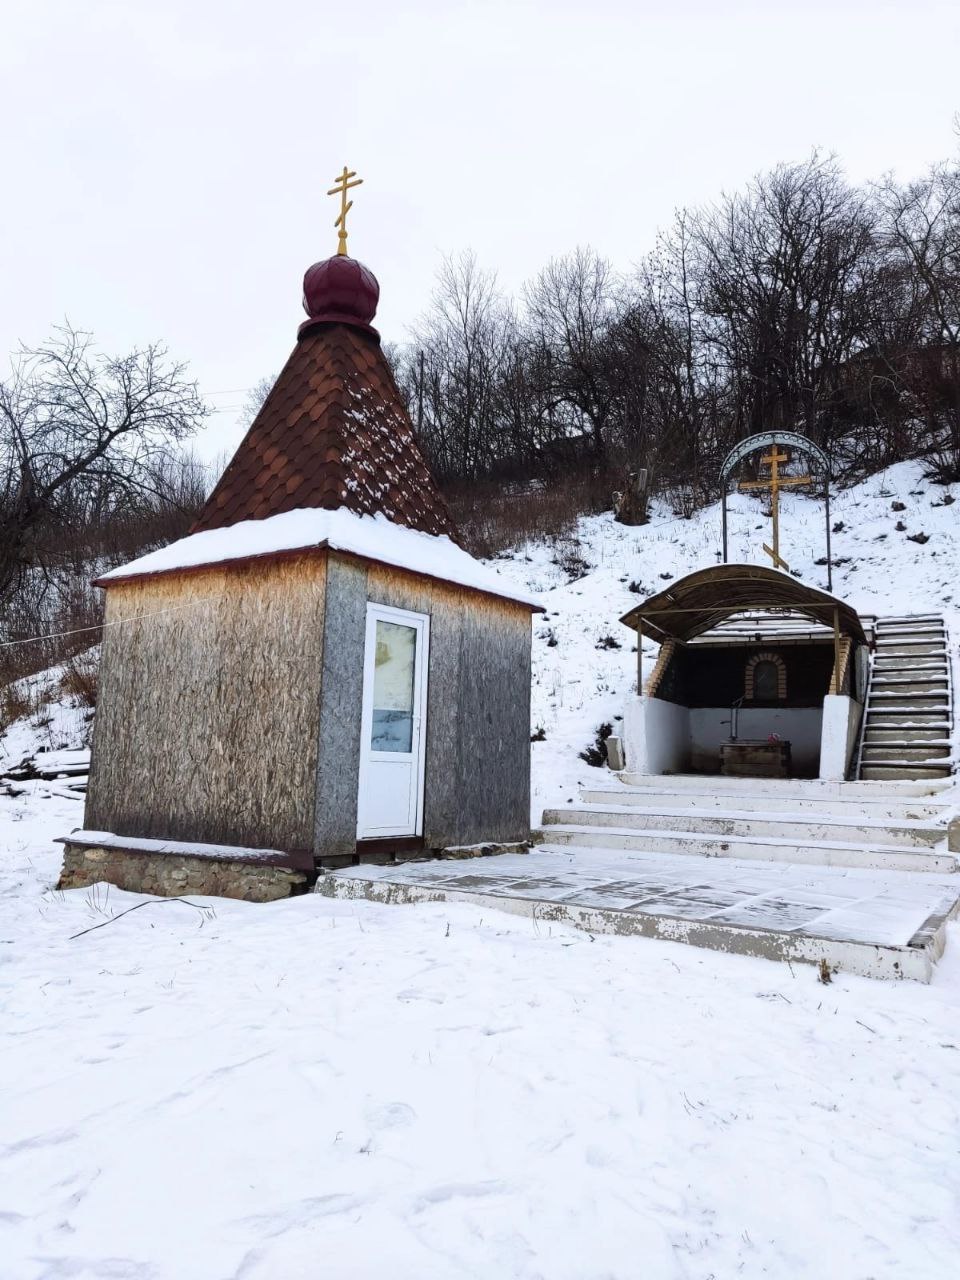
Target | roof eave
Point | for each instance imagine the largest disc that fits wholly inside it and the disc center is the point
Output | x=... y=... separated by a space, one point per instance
x=298 y=553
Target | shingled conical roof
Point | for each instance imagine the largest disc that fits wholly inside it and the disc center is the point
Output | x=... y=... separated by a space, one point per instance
x=333 y=433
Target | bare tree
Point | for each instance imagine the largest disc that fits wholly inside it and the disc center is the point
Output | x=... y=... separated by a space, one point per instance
x=81 y=433
x=255 y=399
x=922 y=236
x=571 y=306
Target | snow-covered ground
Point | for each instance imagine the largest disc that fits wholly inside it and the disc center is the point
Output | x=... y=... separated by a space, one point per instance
x=322 y=1088
x=316 y=1088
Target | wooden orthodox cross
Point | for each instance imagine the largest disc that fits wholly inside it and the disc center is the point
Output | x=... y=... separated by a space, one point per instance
x=775 y=482
x=342 y=185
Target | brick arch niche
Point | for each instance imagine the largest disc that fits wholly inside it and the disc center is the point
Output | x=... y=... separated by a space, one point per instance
x=756 y=660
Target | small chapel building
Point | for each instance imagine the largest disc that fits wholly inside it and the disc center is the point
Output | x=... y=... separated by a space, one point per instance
x=319 y=674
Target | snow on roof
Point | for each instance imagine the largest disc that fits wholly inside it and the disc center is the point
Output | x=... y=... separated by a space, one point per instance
x=371 y=537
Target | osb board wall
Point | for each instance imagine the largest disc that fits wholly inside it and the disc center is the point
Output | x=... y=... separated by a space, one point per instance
x=206 y=726
x=478 y=708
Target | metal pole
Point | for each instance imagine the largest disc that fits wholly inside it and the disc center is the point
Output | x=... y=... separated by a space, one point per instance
x=826 y=501
x=836 y=651
x=724 y=509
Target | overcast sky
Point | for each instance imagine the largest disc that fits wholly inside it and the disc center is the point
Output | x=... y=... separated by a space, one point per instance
x=166 y=162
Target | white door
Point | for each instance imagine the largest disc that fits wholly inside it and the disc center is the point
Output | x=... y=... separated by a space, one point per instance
x=393 y=726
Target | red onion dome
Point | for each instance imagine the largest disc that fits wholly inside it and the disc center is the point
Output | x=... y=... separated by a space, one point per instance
x=342 y=290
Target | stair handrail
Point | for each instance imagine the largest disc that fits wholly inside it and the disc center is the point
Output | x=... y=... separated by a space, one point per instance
x=862 y=731
x=949 y=659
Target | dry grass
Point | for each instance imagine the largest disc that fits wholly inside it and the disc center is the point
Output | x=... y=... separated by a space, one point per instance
x=494 y=517
x=81 y=676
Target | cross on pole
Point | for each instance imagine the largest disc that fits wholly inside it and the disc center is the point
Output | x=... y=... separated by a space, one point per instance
x=342 y=185
x=775 y=482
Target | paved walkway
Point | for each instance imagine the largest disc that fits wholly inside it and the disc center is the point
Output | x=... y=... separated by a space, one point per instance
x=691 y=898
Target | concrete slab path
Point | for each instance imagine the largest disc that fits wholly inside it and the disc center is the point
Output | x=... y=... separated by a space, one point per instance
x=876 y=923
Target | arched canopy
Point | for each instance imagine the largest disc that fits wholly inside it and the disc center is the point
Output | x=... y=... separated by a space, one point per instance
x=753 y=444
x=694 y=604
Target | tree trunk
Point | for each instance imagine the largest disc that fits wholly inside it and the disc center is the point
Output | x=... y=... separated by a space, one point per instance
x=630 y=506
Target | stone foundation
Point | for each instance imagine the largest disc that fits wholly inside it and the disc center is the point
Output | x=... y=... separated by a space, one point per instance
x=174 y=875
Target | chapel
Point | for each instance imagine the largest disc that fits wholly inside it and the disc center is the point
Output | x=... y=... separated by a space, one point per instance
x=319 y=673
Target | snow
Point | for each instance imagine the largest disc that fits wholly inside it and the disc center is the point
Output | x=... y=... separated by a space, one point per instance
x=372 y=537
x=317 y=1087
x=174 y=848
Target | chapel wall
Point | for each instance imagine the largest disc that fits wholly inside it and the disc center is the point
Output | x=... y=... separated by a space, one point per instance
x=478 y=708
x=207 y=710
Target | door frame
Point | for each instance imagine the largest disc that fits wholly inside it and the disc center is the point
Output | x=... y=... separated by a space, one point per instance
x=420 y=622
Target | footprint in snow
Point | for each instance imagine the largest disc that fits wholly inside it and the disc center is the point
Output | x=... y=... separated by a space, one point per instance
x=390 y=1115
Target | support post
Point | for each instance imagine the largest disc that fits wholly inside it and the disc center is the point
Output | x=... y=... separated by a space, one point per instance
x=724 y=509
x=836 y=652
x=826 y=504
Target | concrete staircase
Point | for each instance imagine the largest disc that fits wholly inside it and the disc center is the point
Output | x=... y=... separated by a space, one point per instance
x=870 y=825
x=909 y=710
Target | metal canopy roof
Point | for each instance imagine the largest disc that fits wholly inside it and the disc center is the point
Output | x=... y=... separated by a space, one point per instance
x=702 y=600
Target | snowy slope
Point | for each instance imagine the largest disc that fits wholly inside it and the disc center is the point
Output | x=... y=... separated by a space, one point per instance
x=579 y=684
x=57 y=719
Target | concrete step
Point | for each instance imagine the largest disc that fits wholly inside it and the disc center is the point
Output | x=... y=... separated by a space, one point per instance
x=919 y=628
x=790 y=827
x=891 y=716
x=912 y=644
x=775 y=789
x=918 y=653
x=763 y=848
x=909 y=619
x=884 y=805
x=908 y=684
x=930 y=635
x=909 y=735
x=908 y=701
x=896 y=771
x=911 y=751
x=914 y=663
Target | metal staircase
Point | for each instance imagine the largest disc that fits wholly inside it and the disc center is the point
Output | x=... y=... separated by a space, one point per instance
x=908 y=721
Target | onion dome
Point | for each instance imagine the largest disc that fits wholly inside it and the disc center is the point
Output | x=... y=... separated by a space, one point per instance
x=340 y=290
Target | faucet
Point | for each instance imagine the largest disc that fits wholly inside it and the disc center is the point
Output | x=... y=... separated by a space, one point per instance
x=734 y=721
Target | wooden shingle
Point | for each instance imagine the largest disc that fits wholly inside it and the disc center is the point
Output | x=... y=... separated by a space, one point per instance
x=332 y=433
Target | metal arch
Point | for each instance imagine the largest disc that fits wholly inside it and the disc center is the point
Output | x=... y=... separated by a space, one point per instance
x=762 y=440
x=765 y=438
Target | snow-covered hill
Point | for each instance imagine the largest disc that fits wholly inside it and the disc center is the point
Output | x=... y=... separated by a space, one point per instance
x=584 y=660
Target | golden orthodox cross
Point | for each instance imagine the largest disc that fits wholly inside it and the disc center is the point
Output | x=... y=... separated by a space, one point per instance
x=342 y=185
x=775 y=483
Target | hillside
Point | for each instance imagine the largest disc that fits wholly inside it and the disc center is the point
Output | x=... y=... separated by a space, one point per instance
x=584 y=660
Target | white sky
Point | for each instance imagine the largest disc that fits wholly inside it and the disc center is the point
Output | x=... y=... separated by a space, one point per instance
x=166 y=162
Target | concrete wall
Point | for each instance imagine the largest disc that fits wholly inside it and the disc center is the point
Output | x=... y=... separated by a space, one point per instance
x=841 y=725
x=656 y=734
x=800 y=726
x=478 y=709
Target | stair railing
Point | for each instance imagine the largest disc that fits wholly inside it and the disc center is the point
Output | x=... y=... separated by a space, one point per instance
x=868 y=693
